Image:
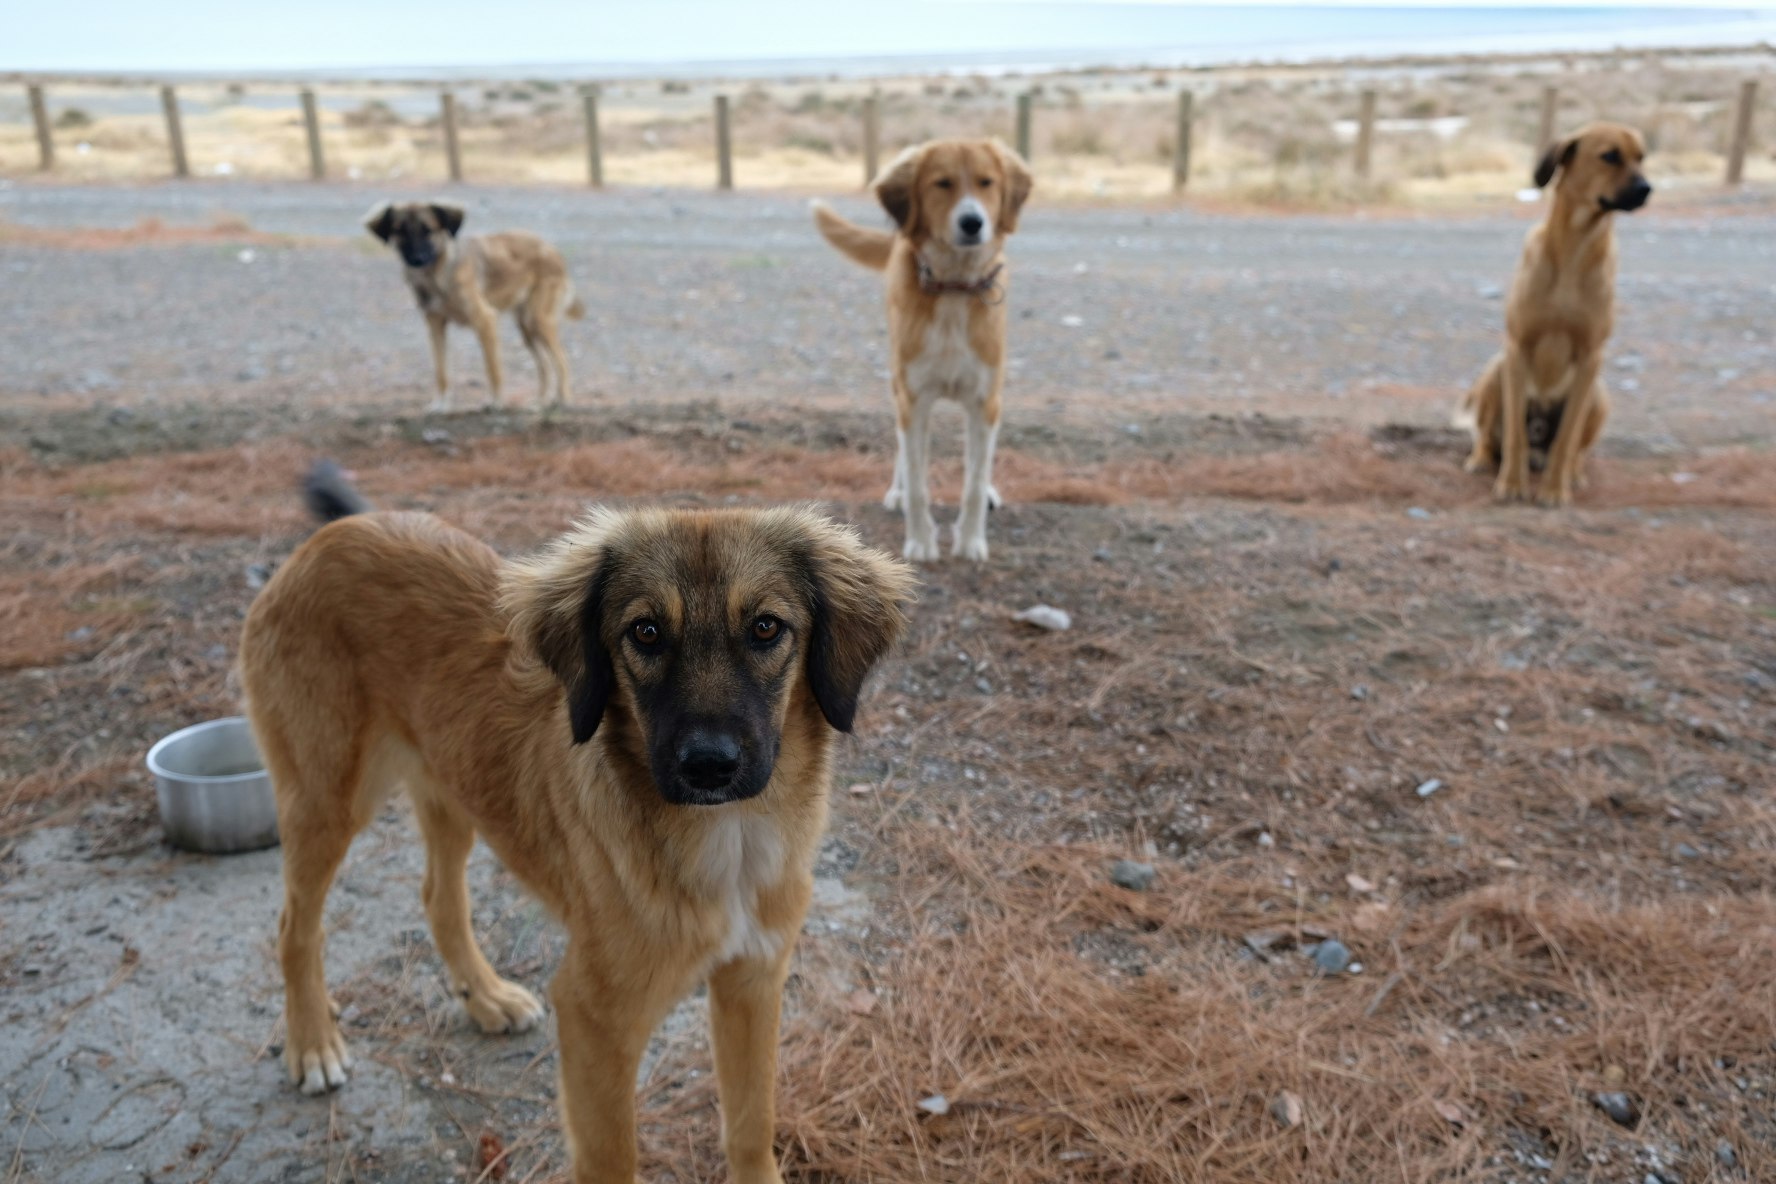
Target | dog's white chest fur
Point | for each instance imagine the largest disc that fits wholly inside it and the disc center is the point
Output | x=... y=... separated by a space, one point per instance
x=947 y=367
x=742 y=854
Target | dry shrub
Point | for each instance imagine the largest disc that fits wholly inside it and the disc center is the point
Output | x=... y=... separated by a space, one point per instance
x=1055 y=1068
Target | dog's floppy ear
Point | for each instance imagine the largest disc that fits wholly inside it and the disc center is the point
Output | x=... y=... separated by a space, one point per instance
x=897 y=189
x=1558 y=156
x=859 y=598
x=555 y=607
x=381 y=221
x=1018 y=184
x=449 y=215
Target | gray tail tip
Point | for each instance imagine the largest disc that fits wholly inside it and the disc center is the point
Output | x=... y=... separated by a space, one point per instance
x=329 y=494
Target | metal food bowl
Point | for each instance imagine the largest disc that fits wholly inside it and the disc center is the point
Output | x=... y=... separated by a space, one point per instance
x=215 y=795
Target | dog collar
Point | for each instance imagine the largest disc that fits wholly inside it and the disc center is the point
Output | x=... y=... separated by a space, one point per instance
x=986 y=285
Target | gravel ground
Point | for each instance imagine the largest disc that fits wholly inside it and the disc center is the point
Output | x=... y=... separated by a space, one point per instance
x=733 y=297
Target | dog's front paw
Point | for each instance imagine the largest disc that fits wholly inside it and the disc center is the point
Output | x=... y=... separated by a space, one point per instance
x=502 y=1007
x=318 y=1062
x=1477 y=462
x=1555 y=495
x=994 y=501
x=894 y=499
x=439 y=405
x=971 y=547
x=922 y=548
x=1509 y=489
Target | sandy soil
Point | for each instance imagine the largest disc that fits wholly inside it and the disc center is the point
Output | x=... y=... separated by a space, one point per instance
x=1292 y=611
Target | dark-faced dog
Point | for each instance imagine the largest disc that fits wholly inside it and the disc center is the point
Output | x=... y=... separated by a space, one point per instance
x=1541 y=403
x=639 y=721
x=470 y=281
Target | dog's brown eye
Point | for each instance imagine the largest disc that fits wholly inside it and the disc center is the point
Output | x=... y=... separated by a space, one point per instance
x=645 y=633
x=766 y=629
x=1613 y=156
x=945 y=183
x=986 y=182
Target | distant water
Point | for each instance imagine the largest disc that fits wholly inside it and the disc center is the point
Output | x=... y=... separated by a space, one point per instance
x=1050 y=35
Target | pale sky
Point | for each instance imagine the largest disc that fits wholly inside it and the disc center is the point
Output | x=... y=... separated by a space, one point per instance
x=229 y=35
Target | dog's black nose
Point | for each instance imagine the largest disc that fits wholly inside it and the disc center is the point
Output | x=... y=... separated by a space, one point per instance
x=1641 y=189
x=708 y=760
x=970 y=224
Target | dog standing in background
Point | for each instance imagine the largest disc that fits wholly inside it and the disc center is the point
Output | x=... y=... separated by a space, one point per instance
x=639 y=721
x=1541 y=403
x=953 y=203
x=470 y=281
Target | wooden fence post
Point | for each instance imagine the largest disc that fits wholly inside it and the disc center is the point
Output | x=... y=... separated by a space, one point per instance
x=1365 y=133
x=169 y=102
x=724 y=148
x=594 y=147
x=311 y=119
x=452 y=150
x=872 y=134
x=40 y=117
x=1181 y=150
x=1024 y=103
x=1550 y=107
x=1741 y=132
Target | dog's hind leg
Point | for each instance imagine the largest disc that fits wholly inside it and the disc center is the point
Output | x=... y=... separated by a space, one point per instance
x=532 y=342
x=1479 y=413
x=495 y=1004
x=315 y=828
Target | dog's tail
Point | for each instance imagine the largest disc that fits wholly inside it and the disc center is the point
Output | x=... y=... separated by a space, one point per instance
x=1467 y=412
x=576 y=308
x=329 y=495
x=868 y=247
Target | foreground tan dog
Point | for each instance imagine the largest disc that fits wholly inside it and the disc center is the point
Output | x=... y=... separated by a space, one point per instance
x=470 y=281
x=638 y=721
x=954 y=202
x=1541 y=403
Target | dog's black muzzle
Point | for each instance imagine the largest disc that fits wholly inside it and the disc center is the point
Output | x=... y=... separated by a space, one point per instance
x=1630 y=197
x=709 y=766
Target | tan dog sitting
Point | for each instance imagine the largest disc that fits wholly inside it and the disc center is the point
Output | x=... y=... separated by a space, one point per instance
x=470 y=281
x=1541 y=403
x=954 y=202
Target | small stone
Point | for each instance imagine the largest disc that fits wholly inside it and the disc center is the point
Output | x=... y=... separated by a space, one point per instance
x=1102 y=555
x=435 y=436
x=1043 y=616
x=1490 y=291
x=1331 y=957
x=1685 y=851
x=1136 y=877
x=1427 y=788
x=1360 y=691
x=1618 y=1106
x=80 y=634
x=1358 y=883
x=935 y=1104
x=119 y=415
x=1723 y=1151
x=1418 y=512
x=1265 y=839
x=257 y=574
x=1286 y=1109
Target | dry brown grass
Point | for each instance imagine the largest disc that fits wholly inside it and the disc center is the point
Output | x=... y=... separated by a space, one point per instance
x=1499 y=1010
